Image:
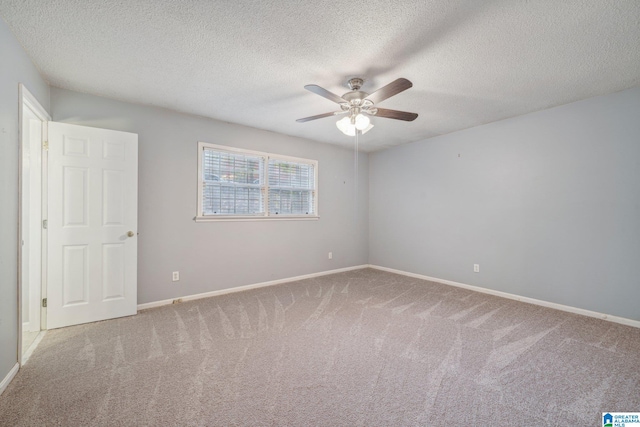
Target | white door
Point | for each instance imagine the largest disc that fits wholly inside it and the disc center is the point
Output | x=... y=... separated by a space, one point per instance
x=92 y=224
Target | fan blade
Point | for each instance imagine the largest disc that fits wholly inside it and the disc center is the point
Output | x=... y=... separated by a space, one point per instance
x=323 y=92
x=393 y=88
x=395 y=114
x=319 y=116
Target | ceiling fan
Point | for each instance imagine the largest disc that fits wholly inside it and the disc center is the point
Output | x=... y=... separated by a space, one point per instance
x=356 y=102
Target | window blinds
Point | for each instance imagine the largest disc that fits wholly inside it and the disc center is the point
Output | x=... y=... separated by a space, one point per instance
x=232 y=183
x=244 y=184
x=291 y=188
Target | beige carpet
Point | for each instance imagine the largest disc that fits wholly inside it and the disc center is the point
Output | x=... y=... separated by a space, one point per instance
x=364 y=348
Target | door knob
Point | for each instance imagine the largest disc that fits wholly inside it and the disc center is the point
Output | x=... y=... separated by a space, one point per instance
x=130 y=233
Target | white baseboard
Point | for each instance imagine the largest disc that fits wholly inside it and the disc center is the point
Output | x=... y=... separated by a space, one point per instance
x=247 y=287
x=7 y=379
x=568 y=308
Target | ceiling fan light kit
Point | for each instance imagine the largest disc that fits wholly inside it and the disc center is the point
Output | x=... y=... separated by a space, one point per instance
x=358 y=104
x=362 y=124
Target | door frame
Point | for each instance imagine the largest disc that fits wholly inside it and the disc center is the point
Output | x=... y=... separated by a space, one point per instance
x=27 y=100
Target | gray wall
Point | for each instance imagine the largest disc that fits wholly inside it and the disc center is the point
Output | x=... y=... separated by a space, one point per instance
x=219 y=255
x=15 y=68
x=547 y=203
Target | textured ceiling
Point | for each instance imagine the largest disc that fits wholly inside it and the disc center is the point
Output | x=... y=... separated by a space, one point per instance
x=471 y=62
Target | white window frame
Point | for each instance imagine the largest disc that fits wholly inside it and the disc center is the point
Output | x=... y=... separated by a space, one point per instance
x=200 y=217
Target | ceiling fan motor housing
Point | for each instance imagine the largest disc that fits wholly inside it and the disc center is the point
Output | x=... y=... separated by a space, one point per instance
x=355 y=95
x=356 y=103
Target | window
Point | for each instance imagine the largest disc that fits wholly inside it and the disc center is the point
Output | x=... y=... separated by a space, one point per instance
x=238 y=184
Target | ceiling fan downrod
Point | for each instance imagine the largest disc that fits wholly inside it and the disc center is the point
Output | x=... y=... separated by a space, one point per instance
x=355 y=83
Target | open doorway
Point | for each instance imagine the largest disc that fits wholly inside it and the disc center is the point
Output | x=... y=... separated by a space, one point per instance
x=78 y=221
x=33 y=119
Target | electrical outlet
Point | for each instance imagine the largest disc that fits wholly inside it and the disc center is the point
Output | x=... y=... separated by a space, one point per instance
x=476 y=268
x=176 y=276
x=330 y=255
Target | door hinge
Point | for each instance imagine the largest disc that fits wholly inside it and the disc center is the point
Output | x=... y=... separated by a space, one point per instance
x=45 y=145
x=45 y=223
x=44 y=302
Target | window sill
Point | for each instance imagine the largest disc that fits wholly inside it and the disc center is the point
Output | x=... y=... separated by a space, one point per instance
x=256 y=218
